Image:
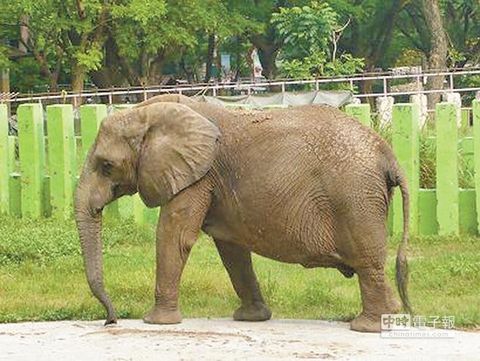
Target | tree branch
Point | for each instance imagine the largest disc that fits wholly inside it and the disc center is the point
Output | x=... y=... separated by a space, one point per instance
x=80 y=9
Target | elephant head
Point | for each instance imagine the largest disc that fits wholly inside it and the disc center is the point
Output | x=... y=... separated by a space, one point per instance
x=157 y=149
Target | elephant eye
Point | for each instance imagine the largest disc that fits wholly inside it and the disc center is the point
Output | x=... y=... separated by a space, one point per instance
x=106 y=168
x=116 y=190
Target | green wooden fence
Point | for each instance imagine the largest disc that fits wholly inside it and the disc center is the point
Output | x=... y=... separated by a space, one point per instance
x=39 y=181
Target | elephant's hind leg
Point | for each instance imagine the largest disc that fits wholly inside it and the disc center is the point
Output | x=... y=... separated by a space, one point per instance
x=238 y=262
x=377 y=299
x=368 y=253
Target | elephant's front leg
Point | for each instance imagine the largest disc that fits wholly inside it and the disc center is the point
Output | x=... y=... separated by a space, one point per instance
x=177 y=230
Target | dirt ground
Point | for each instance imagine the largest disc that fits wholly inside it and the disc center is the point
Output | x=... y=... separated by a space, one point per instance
x=221 y=339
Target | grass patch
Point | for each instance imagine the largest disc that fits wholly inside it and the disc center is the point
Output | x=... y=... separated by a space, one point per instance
x=41 y=277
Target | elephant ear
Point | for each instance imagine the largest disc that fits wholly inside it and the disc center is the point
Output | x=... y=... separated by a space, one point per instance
x=178 y=149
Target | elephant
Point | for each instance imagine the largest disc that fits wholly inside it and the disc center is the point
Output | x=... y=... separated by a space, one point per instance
x=306 y=185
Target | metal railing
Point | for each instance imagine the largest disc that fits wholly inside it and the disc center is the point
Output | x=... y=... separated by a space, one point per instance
x=253 y=86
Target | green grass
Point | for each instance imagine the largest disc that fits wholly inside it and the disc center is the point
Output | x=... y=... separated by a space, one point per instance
x=41 y=277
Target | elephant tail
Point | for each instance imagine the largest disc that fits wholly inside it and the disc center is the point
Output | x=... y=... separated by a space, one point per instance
x=401 y=262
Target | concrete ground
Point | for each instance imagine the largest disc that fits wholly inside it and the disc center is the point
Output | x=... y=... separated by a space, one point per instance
x=221 y=339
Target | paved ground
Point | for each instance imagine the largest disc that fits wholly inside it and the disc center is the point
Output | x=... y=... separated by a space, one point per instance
x=221 y=339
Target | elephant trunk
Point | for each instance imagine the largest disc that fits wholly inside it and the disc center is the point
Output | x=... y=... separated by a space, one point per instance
x=89 y=224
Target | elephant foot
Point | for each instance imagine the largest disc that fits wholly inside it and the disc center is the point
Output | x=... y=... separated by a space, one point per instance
x=363 y=323
x=395 y=306
x=257 y=311
x=162 y=316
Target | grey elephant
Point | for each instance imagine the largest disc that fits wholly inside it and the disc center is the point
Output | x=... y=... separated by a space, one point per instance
x=306 y=185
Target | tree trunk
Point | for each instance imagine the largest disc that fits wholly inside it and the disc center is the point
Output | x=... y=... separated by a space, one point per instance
x=268 y=55
x=53 y=84
x=437 y=57
x=155 y=72
x=78 y=78
x=210 y=55
x=110 y=73
x=267 y=52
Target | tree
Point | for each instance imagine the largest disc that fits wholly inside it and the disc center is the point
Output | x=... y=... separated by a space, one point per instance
x=309 y=48
x=149 y=33
x=262 y=33
x=437 y=56
x=145 y=36
x=60 y=35
x=227 y=21
x=462 y=23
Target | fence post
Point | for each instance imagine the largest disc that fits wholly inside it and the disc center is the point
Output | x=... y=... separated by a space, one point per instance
x=11 y=153
x=447 y=170
x=361 y=112
x=405 y=143
x=13 y=179
x=476 y=154
x=384 y=109
x=91 y=116
x=32 y=159
x=4 y=160
x=61 y=156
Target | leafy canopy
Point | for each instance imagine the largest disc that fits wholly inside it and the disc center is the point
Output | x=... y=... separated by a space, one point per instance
x=309 y=34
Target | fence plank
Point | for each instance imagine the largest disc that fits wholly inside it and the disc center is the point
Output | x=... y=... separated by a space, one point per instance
x=91 y=116
x=476 y=155
x=465 y=118
x=405 y=143
x=61 y=156
x=447 y=169
x=467 y=211
x=32 y=159
x=467 y=151
x=361 y=112
x=15 y=186
x=4 y=160
x=46 y=197
x=12 y=143
x=427 y=212
x=13 y=179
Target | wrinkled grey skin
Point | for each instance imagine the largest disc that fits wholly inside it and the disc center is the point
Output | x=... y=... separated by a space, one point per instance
x=305 y=185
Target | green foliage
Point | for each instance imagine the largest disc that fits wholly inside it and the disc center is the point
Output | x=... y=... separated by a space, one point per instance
x=60 y=34
x=316 y=65
x=25 y=74
x=308 y=34
x=142 y=29
x=4 y=61
x=130 y=42
x=91 y=58
x=305 y=30
x=145 y=13
x=462 y=21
